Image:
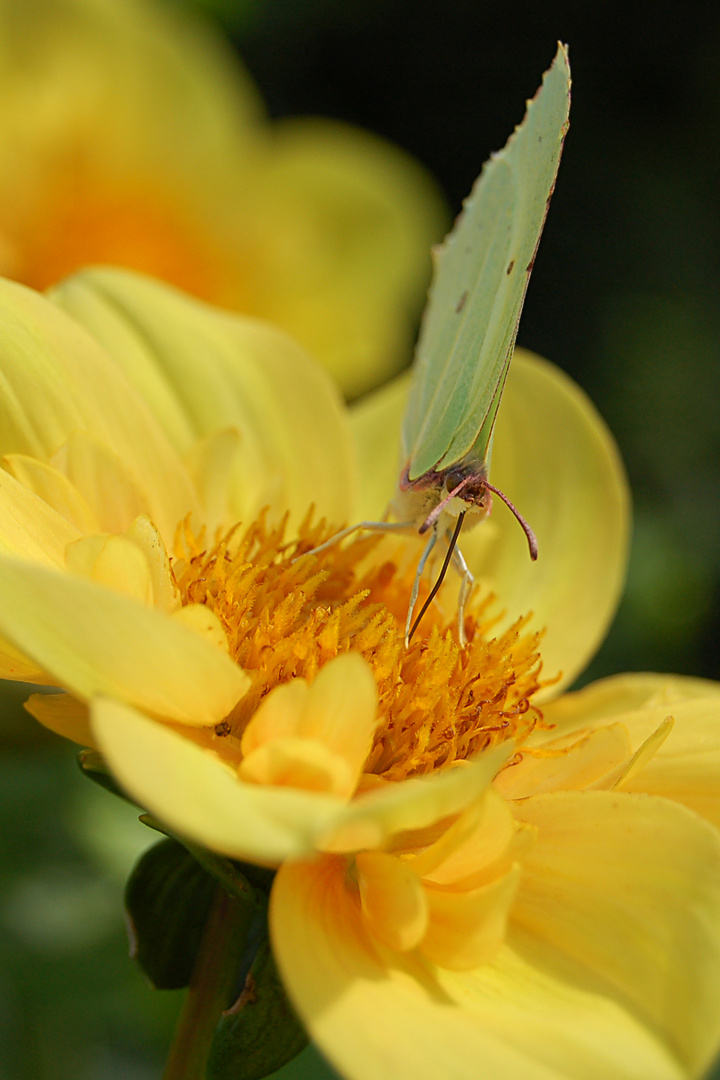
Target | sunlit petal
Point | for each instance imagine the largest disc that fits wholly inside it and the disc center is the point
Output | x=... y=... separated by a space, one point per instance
x=54 y=488
x=199 y=796
x=29 y=527
x=63 y=714
x=627 y=888
x=203 y=370
x=373 y=818
x=115 y=646
x=394 y=903
x=374 y=1013
x=686 y=767
x=82 y=391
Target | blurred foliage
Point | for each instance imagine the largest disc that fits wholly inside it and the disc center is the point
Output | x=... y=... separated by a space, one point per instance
x=624 y=297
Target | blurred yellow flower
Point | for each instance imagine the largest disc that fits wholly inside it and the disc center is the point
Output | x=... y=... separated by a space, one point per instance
x=130 y=135
x=476 y=872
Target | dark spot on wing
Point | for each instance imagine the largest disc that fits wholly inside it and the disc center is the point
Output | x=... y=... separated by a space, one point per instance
x=461 y=302
x=511 y=264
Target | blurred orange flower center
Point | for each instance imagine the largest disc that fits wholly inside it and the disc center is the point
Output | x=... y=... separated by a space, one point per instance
x=80 y=224
x=286 y=617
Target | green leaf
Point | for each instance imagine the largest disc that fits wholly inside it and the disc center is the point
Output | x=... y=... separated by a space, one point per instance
x=242 y=880
x=93 y=765
x=168 y=897
x=261 y=1032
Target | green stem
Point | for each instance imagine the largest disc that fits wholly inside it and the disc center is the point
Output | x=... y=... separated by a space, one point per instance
x=211 y=986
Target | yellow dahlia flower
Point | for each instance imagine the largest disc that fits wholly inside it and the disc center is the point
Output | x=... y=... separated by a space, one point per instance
x=477 y=874
x=130 y=135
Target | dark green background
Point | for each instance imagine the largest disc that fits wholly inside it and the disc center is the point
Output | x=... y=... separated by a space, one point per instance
x=624 y=297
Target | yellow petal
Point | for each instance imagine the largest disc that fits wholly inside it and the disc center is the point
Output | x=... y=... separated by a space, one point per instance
x=558 y=766
x=203 y=621
x=348 y=221
x=341 y=709
x=96 y=642
x=63 y=714
x=195 y=793
x=298 y=763
x=19 y=668
x=370 y=820
x=126 y=134
x=556 y=460
x=203 y=370
x=627 y=889
x=686 y=767
x=337 y=714
x=394 y=903
x=376 y=1013
x=112 y=561
x=29 y=528
x=479 y=838
x=277 y=716
x=619 y=696
x=102 y=479
x=467 y=927
x=55 y=488
x=214 y=462
x=82 y=390
x=164 y=589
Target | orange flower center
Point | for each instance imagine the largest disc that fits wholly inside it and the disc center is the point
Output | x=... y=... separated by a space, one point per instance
x=285 y=617
x=82 y=221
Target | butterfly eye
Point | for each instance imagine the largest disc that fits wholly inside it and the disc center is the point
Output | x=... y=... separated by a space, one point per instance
x=453 y=478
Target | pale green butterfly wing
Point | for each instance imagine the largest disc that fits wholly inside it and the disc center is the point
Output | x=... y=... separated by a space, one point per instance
x=481 y=275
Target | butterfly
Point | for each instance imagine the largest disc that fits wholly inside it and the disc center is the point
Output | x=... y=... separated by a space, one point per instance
x=467 y=338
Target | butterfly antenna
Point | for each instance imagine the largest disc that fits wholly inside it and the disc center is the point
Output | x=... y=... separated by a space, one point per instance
x=531 y=539
x=441 y=575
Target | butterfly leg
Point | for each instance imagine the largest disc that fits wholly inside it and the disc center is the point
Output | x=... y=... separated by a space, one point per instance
x=416 y=584
x=369 y=526
x=466 y=583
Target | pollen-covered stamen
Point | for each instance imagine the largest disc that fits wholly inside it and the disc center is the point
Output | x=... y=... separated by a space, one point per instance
x=286 y=618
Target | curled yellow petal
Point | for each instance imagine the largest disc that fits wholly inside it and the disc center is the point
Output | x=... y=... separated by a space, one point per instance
x=29 y=527
x=563 y=764
x=467 y=927
x=63 y=714
x=686 y=766
x=316 y=737
x=112 y=561
x=115 y=646
x=54 y=488
x=104 y=481
x=199 y=796
x=373 y=1012
x=394 y=903
x=373 y=818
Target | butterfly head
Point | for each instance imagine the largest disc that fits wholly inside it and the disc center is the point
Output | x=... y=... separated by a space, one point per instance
x=461 y=488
